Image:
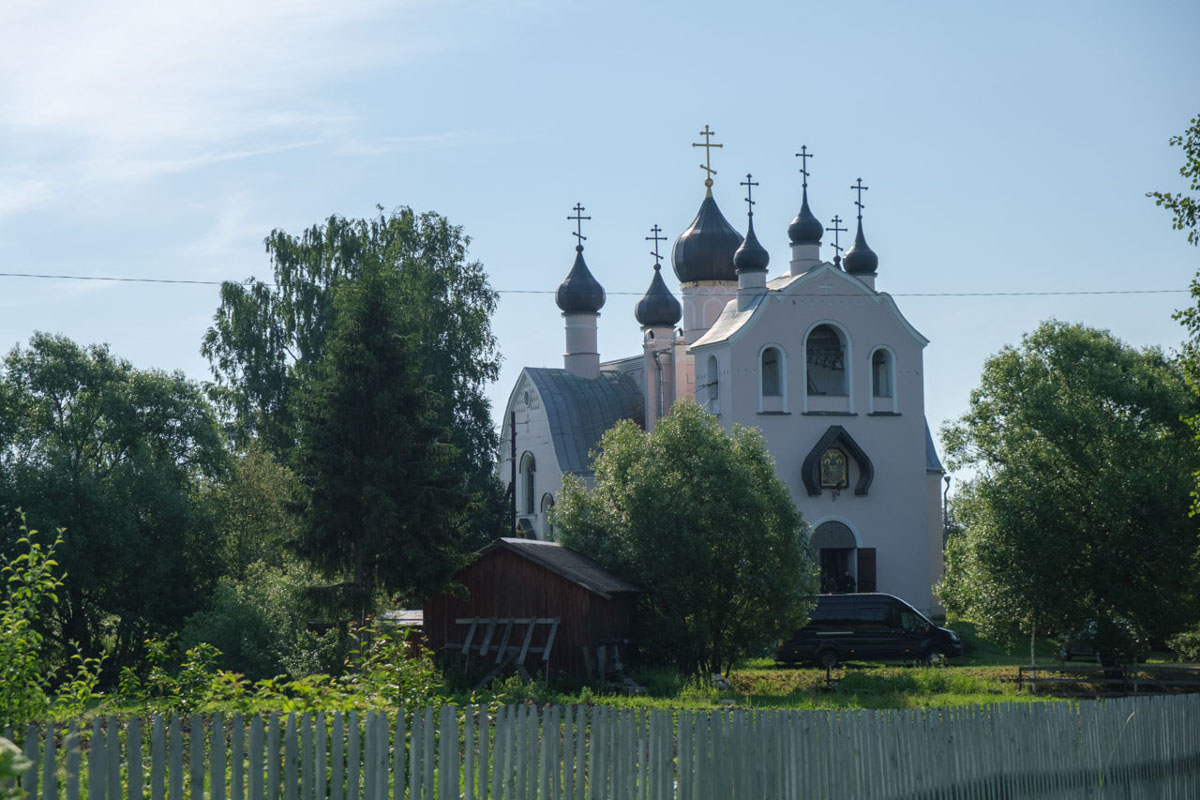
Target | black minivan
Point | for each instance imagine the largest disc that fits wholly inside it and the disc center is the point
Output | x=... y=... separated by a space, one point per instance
x=867 y=627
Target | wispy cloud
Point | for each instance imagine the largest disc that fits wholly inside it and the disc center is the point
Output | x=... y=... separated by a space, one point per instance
x=129 y=89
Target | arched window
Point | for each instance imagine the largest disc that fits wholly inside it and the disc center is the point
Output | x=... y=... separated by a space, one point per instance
x=713 y=404
x=547 y=507
x=528 y=468
x=772 y=377
x=881 y=373
x=825 y=359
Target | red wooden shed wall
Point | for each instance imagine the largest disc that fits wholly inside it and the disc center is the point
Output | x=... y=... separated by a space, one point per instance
x=501 y=583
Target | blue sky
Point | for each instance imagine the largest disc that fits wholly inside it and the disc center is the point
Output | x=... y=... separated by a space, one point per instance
x=1008 y=147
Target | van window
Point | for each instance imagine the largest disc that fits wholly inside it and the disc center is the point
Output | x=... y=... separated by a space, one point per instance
x=874 y=617
x=910 y=620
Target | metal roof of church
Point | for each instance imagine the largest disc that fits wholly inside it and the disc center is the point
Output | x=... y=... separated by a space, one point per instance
x=580 y=410
x=932 y=462
x=570 y=564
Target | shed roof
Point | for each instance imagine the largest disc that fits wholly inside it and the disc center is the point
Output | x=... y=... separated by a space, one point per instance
x=570 y=564
x=580 y=410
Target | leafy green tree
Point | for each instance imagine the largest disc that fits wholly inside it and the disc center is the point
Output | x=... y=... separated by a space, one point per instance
x=267 y=337
x=696 y=515
x=386 y=505
x=254 y=503
x=117 y=457
x=1079 y=506
x=1185 y=209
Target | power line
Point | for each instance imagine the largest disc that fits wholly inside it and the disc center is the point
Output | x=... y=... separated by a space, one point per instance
x=197 y=282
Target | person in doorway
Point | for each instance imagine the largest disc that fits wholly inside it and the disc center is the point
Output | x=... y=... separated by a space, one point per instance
x=846 y=584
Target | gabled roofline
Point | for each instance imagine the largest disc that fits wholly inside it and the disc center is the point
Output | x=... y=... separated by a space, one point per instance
x=522 y=548
x=787 y=285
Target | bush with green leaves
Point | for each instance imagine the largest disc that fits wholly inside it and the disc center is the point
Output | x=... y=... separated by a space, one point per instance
x=30 y=583
x=255 y=622
x=13 y=764
x=1186 y=646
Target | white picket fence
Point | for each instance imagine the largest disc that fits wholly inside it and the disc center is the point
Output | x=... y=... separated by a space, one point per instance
x=1145 y=747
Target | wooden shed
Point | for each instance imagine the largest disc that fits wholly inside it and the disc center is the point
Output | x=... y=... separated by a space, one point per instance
x=534 y=606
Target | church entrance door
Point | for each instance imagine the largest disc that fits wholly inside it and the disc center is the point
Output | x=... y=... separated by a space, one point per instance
x=836 y=564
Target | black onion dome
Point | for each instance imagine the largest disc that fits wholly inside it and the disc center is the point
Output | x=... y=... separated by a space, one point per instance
x=704 y=252
x=658 y=308
x=805 y=228
x=860 y=259
x=751 y=256
x=580 y=293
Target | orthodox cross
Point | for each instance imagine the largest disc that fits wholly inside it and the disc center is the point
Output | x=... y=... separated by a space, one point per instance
x=837 y=222
x=579 y=218
x=858 y=187
x=749 y=184
x=804 y=156
x=707 y=145
x=655 y=231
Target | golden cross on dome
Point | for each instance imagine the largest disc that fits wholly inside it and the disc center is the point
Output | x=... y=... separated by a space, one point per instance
x=707 y=145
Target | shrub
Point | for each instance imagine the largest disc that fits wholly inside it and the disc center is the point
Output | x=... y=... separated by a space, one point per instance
x=12 y=764
x=255 y=623
x=1186 y=646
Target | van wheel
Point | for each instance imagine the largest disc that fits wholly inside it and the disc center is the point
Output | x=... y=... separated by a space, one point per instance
x=828 y=658
x=934 y=657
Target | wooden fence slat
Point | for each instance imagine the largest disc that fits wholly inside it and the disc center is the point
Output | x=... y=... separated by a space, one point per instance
x=195 y=758
x=415 y=756
x=485 y=754
x=158 y=759
x=50 y=765
x=74 y=755
x=307 y=770
x=216 y=758
x=273 y=756
x=175 y=756
x=112 y=760
x=97 y=783
x=237 y=758
x=352 y=756
x=427 y=755
x=337 y=758
x=399 y=750
x=291 y=765
x=320 y=760
x=133 y=760
x=447 y=743
x=255 y=761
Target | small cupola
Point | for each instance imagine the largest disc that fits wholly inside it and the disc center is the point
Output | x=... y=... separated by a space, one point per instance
x=580 y=297
x=658 y=308
x=751 y=256
x=580 y=292
x=806 y=230
x=751 y=259
x=860 y=260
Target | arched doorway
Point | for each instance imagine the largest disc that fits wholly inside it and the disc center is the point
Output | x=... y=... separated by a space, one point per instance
x=834 y=545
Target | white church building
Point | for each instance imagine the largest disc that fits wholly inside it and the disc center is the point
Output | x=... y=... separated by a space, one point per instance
x=818 y=358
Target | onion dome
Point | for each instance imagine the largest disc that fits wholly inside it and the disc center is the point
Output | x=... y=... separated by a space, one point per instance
x=805 y=228
x=658 y=308
x=860 y=259
x=704 y=252
x=751 y=256
x=580 y=293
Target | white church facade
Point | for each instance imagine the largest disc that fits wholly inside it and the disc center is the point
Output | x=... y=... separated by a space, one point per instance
x=817 y=358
